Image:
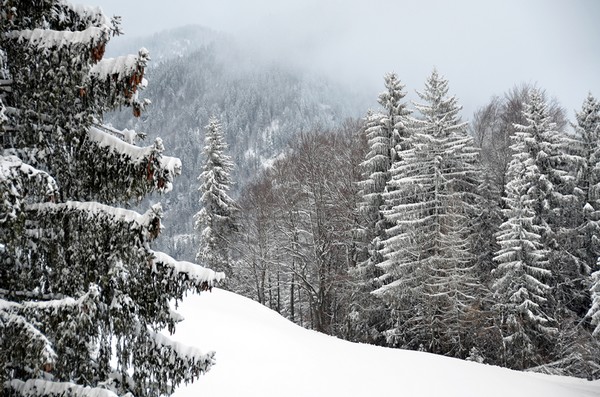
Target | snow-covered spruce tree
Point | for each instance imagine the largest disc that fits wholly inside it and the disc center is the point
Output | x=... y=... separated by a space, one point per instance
x=587 y=131
x=522 y=289
x=576 y=350
x=82 y=295
x=216 y=219
x=386 y=134
x=544 y=145
x=368 y=316
x=428 y=273
x=375 y=172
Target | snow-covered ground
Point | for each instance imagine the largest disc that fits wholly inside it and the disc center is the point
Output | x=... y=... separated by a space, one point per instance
x=259 y=353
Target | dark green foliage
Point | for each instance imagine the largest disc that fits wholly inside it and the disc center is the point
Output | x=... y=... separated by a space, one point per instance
x=80 y=286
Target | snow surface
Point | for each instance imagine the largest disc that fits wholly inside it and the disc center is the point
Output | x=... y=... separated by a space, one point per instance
x=259 y=353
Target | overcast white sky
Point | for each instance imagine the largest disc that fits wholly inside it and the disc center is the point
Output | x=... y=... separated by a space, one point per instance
x=483 y=47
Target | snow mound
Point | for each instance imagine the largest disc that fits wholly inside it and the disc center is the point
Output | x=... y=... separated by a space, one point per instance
x=260 y=353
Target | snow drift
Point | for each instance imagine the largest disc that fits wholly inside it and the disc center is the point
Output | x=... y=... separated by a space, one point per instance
x=260 y=353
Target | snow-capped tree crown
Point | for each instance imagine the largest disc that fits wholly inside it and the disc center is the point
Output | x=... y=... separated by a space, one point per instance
x=440 y=112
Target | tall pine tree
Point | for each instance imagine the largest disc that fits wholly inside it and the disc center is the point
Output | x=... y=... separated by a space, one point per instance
x=216 y=218
x=428 y=274
x=82 y=294
x=577 y=251
x=588 y=130
x=522 y=288
x=386 y=134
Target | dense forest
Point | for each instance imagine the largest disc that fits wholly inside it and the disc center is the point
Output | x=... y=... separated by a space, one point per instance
x=418 y=231
x=404 y=227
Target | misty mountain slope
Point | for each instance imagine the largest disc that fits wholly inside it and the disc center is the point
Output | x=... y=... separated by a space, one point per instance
x=261 y=105
x=167 y=44
x=259 y=353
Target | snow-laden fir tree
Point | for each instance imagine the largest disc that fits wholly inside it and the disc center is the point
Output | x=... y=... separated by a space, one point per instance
x=375 y=172
x=386 y=133
x=428 y=267
x=556 y=204
x=575 y=223
x=577 y=252
x=588 y=131
x=520 y=286
x=82 y=294
x=540 y=141
x=578 y=345
x=494 y=124
x=216 y=219
x=522 y=280
x=394 y=119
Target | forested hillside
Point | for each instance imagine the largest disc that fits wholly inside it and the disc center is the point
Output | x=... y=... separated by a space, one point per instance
x=406 y=226
x=261 y=105
x=399 y=230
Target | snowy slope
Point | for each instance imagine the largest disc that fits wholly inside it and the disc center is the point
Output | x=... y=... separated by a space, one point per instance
x=259 y=353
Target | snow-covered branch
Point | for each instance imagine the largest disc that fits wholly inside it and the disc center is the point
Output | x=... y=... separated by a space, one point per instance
x=120 y=67
x=180 y=349
x=46 y=39
x=12 y=168
x=17 y=180
x=14 y=324
x=41 y=387
x=170 y=362
x=201 y=277
x=88 y=15
x=96 y=210
x=116 y=81
x=157 y=168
